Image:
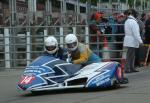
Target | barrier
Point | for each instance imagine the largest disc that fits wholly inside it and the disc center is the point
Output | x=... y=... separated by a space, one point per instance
x=20 y=49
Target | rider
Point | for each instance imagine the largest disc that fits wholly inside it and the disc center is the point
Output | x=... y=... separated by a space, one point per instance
x=52 y=48
x=80 y=53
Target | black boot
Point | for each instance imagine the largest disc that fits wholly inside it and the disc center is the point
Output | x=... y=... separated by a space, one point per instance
x=124 y=80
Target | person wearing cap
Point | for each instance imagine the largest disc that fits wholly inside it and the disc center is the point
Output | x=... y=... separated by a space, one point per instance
x=95 y=20
x=79 y=53
x=120 y=21
x=52 y=48
x=95 y=33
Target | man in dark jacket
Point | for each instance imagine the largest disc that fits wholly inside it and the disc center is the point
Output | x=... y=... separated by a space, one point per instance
x=147 y=34
x=52 y=48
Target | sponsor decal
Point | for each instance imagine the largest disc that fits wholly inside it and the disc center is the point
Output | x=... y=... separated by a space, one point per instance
x=26 y=80
x=102 y=81
x=49 y=72
x=32 y=71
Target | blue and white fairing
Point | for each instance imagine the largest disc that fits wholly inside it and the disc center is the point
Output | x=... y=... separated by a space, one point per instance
x=46 y=73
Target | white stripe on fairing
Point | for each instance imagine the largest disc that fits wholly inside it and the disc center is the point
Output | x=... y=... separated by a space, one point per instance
x=96 y=77
x=47 y=86
x=109 y=63
x=76 y=77
x=97 y=68
x=57 y=88
x=45 y=82
x=50 y=86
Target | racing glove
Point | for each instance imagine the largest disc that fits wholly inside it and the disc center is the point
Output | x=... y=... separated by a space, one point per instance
x=69 y=60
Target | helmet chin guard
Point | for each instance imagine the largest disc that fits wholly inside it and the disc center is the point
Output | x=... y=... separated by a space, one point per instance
x=52 y=51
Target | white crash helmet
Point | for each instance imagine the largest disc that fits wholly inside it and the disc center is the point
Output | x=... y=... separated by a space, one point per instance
x=51 y=44
x=71 y=42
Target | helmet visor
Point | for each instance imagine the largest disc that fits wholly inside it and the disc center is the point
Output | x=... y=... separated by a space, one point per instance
x=72 y=45
x=50 y=48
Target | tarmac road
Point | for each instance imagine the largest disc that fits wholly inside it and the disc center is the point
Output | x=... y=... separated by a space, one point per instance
x=137 y=91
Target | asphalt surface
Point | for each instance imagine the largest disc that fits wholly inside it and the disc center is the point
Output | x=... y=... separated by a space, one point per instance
x=137 y=91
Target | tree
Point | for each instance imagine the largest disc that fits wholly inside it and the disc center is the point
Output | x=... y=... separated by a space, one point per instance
x=41 y=1
x=131 y=3
x=93 y=2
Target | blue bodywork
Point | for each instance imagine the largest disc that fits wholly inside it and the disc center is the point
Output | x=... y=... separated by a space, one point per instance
x=49 y=72
x=103 y=79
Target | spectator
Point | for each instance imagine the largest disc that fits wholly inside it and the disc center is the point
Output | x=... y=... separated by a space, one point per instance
x=105 y=28
x=132 y=40
x=143 y=17
x=147 y=32
x=120 y=32
x=137 y=54
x=125 y=15
x=95 y=33
x=147 y=29
x=113 y=23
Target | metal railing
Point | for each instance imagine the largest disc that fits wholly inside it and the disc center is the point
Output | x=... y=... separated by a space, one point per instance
x=17 y=50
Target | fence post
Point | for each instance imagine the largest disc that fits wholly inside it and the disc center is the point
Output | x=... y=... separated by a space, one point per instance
x=87 y=35
x=61 y=36
x=7 y=48
x=74 y=30
x=28 y=48
x=45 y=36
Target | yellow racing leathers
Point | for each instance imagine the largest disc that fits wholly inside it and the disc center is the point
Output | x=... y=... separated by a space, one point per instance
x=83 y=55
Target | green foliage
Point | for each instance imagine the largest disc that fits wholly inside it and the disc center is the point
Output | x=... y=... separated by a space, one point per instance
x=41 y=1
x=83 y=1
x=138 y=3
x=123 y=1
x=131 y=3
x=114 y=0
x=104 y=1
x=93 y=2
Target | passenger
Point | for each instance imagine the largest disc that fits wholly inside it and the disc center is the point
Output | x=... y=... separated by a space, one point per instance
x=53 y=49
x=79 y=53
